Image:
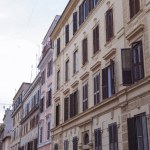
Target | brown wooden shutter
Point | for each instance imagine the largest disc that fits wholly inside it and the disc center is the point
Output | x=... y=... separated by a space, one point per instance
x=66 y=109
x=126 y=66
x=131 y=134
x=137 y=61
x=80 y=15
x=105 y=83
x=57 y=115
x=84 y=51
x=75 y=102
x=58 y=46
x=86 y=96
x=112 y=68
x=74 y=22
x=97 y=39
x=67 y=33
x=71 y=105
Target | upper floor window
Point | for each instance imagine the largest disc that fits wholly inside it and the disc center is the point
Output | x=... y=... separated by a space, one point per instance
x=85 y=96
x=56 y=147
x=109 y=25
x=66 y=145
x=113 y=136
x=43 y=77
x=75 y=20
x=92 y=4
x=75 y=143
x=83 y=12
x=96 y=39
x=66 y=109
x=49 y=98
x=40 y=135
x=42 y=105
x=58 y=80
x=108 y=81
x=134 y=7
x=137 y=132
x=67 y=34
x=50 y=68
x=57 y=114
x=58 y=46
x=98 y=139
x=48 y=130
x=84 y=51
x=132 y=63
x=96 y=89
x=75 y=61
x=67 y=70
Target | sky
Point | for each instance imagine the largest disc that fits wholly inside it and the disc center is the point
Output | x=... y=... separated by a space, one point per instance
x=23 y=25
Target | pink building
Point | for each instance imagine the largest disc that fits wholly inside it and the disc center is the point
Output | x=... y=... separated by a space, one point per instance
x=46 y=103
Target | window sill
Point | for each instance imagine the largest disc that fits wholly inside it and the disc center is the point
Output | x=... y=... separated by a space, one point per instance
x=110 y=41
x=134 y=17
x=95 y=54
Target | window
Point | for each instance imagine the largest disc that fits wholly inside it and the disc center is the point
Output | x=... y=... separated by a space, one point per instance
x=108 y=82
x=49 y=98
x=56 y=147
x=58 y=46
x=74 y=104
x=109 y=25
x=86 y=139
x=66 y=145
x=58 y=80
x=35 y=144
x=98 y=139
x=57 y=115
x=92 y=4
x=48 y=130
x=41 y=133
x=67 y=71
x=134 y=7
x=96 y=89
x=43 y=77
x=42 y=105
x=113 y=136
x=132 y=63
x=84 y=51
x=50 y=68
x=75 y=143
x=137 y=133
x=85 y=96
x=67 y=33
x=83 y=12
x=66 y=108
x=75 y=62
x=75 y=22
x=96 y=39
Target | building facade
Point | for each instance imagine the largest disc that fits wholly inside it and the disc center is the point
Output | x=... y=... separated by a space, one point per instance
x=17 y=116
x=46 y=101
x=30 y=117
x=102 y=76
x=6 y=133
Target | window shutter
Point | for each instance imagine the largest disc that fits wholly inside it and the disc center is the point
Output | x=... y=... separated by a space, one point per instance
x=86 y=96
x=84 y=52
x=58 y=46
x=97 y=39
x=66 y=109
x=80 y=15
x=57 y=115
x=83 y=95
x=131 y=134
x=71 y=105
x=67 y=33
x=126 y=66
x=137 y=61
x=105 y=83
x=94 y=41
x=74 y=22
x=75 y=102
x=95 y=90
x=50 y=97
x=75 y=143
x=112 y=65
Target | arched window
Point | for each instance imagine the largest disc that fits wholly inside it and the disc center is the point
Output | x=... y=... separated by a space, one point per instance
x=56 y=147
x=86 y=138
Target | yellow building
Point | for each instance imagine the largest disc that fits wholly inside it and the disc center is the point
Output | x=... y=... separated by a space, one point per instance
x=102 y=76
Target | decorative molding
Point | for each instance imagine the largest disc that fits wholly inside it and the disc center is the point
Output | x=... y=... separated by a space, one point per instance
x=109 y=54
x=135 y=31
x=57 y=99
x=75 y=84
x=95 y=66
x=85 y=122
x=66 y=91
x=85 y=75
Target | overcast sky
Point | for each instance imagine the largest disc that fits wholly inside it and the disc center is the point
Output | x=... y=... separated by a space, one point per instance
x=23 y=25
